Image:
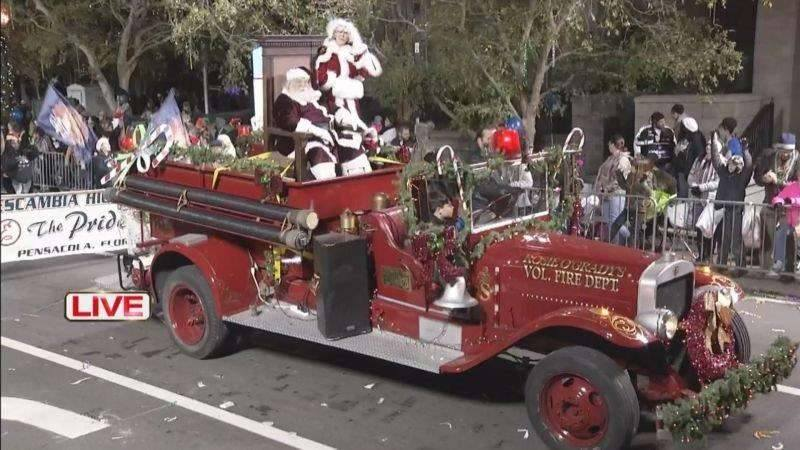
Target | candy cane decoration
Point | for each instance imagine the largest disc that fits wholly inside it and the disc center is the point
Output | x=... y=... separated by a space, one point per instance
x=142 y=157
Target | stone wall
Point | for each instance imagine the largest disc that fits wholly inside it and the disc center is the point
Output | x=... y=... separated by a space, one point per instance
x=777 y=58
x=600 y=116
x=707 y=110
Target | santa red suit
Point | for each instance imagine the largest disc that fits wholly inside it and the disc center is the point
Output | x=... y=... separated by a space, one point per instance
x=297 y=110
x=341 y=68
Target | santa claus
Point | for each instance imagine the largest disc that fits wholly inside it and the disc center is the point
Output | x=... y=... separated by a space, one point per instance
x=297 y=109
x=344 y=61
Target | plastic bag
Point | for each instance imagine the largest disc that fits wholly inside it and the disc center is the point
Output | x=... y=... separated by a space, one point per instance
x=751 y=227
x=709 y=219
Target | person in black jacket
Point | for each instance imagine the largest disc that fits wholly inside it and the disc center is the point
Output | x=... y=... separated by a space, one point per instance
x=734 y=172
x=691 y=143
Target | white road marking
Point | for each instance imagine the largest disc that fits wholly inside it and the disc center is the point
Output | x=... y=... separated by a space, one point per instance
x=244 y=423
x=50 y=418
x=772 y=300
x=789 y=390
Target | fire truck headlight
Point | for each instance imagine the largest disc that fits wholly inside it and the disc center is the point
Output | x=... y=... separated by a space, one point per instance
x=661 y=322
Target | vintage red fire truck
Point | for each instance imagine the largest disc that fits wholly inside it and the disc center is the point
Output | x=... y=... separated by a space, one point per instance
x=224 y=250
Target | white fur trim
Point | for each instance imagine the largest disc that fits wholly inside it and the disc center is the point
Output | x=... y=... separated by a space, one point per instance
x=346 y=118
x=329 y=82
x=297 y=74
x=784 y=146
x=358 y=165
x=324 y=171
x=325 y=57
x=350 y=139
x=305 y=126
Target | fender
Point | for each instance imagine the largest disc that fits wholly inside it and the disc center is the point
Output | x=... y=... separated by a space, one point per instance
x=225 y=265
x=615 y=328
x=703 y=276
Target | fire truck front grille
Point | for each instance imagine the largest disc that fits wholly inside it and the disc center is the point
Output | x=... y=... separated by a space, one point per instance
x=676 y=294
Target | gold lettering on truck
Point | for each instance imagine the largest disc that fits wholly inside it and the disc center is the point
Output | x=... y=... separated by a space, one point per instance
x=569 y=272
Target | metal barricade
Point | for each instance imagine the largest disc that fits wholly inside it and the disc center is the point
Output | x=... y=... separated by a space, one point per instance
x=729 y=234
x=713 y=232
x=628 y=220
x=52 y=170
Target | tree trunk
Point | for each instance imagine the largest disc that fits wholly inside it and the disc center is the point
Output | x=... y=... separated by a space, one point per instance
x=205 y=86
x=105 y=86
x=124 y=77
x=531 y=106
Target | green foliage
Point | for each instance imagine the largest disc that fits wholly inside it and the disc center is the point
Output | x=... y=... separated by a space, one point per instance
x=690 y=419
x=202 y=155
x=486 y=59
x=224 y=31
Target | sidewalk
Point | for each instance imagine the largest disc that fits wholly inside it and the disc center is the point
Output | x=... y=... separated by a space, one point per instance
x=764 y=287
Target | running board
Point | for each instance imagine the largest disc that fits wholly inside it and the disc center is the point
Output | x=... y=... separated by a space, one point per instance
x=377 y=344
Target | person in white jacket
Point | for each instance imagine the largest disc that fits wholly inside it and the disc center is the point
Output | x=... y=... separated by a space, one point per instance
x=703 y=181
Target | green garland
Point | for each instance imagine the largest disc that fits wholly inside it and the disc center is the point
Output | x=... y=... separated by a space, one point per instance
x=470 y=179
x=202 y=155
x=690 y=419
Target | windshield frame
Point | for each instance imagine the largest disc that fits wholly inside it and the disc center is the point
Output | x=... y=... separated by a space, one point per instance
x=501 y=223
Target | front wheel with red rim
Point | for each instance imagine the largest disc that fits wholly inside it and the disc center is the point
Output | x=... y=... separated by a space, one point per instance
x=191 y=314
x=579 y=398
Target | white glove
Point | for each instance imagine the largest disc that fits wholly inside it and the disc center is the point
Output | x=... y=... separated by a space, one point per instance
x=358 y=49
x=323 y=134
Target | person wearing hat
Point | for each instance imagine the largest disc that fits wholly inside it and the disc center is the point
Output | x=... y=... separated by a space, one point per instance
x=342 y=65
x=297 y=109
x=735 y=169
x=777 y=167
x=102 y=161
x=691 y=143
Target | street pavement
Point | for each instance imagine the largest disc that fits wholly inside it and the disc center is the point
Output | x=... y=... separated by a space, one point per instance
x=154 y=397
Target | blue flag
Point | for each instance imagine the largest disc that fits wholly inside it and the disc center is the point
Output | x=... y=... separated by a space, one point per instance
x=64 y=123
x=170 y=114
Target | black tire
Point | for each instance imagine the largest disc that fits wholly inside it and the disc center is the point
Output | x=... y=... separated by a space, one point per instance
x=742 y=338
x=215 y=337
x=159 y=281
x=612 y=383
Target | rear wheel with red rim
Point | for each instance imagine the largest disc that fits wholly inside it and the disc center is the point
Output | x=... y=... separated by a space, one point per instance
x=579 y=398
x=191 y=314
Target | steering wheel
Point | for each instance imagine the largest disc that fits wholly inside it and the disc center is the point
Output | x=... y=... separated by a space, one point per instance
x=489 y=208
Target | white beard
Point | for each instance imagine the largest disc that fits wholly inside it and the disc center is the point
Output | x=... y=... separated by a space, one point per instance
x=305 y=96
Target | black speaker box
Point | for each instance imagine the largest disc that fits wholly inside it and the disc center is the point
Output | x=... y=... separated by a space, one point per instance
x=340 y=262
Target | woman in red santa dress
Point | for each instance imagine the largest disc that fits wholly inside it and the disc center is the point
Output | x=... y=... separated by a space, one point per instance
x=344 y=61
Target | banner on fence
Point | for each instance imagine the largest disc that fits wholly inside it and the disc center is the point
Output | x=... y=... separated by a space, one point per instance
x=36 y=226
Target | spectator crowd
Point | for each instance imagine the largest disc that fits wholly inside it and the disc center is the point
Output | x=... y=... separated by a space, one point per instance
x=709 y=175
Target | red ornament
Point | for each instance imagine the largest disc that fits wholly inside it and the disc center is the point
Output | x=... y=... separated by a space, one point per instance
x=126 y=143
x=507 y=142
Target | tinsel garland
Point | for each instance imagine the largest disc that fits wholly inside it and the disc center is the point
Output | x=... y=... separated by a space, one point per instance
x=708 y=365
x=691 y=419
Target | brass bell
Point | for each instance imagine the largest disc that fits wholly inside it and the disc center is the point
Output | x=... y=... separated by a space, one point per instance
x=349 y=224
x=456 y=296
x=380 y=201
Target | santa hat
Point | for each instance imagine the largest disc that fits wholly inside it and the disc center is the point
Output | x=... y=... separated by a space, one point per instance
x=788 y=141
x=297 y=74
x=337 y=23
x=103 y=145
x=690 y=124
